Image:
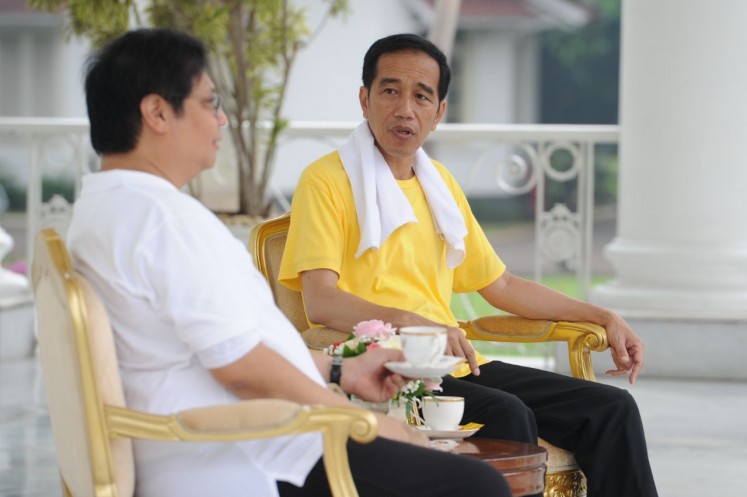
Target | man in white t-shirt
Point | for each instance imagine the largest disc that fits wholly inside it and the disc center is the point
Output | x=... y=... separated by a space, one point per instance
x=195 y=323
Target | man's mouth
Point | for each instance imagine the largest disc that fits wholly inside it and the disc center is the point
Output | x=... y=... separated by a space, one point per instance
x=403 y=132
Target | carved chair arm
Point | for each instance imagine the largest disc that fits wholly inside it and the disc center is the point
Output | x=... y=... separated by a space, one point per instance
x=254 y=419
x=581 y=338
x=244 y=420
x=322 y=337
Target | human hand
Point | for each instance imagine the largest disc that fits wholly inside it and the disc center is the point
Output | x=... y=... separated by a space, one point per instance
x=626 y=348
x=395 y=429
x=366 y=377
x=458 y=346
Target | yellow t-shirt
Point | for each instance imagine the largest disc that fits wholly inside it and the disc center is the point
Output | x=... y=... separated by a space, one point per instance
x=408 y=271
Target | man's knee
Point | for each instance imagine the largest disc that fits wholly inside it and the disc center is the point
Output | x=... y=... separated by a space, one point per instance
x=620 y=400
x=509 y=418
x=617 y=404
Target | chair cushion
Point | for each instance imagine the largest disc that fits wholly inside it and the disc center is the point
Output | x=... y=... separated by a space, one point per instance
x=319 y=338
x=109 y=383
x=558 y=459
x=289 y=301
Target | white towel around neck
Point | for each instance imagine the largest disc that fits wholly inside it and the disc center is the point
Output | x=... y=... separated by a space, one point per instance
x=381 y=205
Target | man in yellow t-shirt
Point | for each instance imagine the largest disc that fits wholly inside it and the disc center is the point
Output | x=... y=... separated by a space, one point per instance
x=355 y=257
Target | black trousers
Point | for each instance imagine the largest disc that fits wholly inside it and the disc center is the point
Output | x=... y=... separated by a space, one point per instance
x=385 y=468
x=599 y=423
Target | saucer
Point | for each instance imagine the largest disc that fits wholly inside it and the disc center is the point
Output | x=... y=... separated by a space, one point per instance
x=445 y=365
x=446 y=434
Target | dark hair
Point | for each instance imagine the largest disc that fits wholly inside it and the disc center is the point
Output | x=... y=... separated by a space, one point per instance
x=137 y=64
x=403 y=42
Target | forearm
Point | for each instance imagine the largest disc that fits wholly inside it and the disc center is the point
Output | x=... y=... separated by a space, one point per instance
x=340 y=310
x=531 y=300
x=263 y=373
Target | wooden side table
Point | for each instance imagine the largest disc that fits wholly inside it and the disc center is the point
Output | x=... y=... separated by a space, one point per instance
x=522 y=464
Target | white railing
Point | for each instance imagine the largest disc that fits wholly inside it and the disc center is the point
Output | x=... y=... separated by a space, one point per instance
x=487 y=159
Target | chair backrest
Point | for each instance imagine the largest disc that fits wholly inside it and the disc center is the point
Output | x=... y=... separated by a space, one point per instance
x=80 y=373
x=266 y=243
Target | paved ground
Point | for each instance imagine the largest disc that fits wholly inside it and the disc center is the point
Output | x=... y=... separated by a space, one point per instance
x=697 y=435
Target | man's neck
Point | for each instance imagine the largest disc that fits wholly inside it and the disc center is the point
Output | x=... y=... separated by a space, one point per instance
x=134 y=161
x=402 y=171
x=401 y=167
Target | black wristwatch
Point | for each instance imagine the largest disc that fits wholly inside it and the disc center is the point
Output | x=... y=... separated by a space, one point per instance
x=335 y=371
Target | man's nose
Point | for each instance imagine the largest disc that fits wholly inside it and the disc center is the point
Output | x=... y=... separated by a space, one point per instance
x=404 y=108
x=222 y=118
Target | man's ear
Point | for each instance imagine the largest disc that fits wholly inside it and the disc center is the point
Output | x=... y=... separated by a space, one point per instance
x=154 y=110
x=439 y=114
x=363 y=98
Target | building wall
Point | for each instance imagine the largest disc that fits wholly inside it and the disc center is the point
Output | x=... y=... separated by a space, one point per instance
x=40 y=70
x=41 y=75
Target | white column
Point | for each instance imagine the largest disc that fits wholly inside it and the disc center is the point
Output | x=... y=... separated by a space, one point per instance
x=26 y=74
x=680 y=255
x=68 y=63
x=681 y=246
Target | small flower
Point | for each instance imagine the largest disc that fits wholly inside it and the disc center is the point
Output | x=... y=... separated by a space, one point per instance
x=411 y=397
x=410 y=387
x=393 y=342
x=375 y=329
x=335 y=349
x=19 y=267
x=371 y=346
x=434 y=385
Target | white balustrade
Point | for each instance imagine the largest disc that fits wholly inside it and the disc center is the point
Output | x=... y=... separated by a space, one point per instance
x=502 y=160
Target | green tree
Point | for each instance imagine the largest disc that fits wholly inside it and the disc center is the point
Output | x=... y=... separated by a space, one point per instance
x=580 y=70
x=580 y=85
x=253 y=45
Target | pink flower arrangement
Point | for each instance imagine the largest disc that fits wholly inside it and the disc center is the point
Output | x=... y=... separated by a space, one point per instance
x=369 y=335
x=366 y=335
x=375 y=329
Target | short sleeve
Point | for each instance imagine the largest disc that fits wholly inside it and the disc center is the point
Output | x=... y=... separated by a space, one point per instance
x=204 y=284
x=318 y=234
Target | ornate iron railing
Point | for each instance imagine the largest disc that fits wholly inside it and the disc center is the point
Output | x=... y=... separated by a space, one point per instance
x=502 y=160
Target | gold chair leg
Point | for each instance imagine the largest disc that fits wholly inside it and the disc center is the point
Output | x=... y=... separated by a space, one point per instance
x=570 y=483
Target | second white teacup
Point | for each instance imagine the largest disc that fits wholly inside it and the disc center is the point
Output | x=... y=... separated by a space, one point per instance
x=423 y=346
x=443 y=412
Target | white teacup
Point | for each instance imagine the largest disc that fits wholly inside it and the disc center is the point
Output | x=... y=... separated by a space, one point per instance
x=443 y=413
x=423 y=346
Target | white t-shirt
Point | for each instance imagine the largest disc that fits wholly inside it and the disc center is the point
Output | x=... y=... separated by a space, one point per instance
x=184 y=296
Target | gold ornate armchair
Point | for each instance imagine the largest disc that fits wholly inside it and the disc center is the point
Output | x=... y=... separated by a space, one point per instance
x=91 y=424
x=564 y=478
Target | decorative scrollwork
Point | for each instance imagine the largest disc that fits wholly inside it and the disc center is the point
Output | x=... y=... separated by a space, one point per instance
x=596 y=342
x=362 y=430
x=59 y=151
x=66 y=152
x=565 y=484
x=560 y=235
x=516 y=173
x=574 y=168
x=56 y=214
